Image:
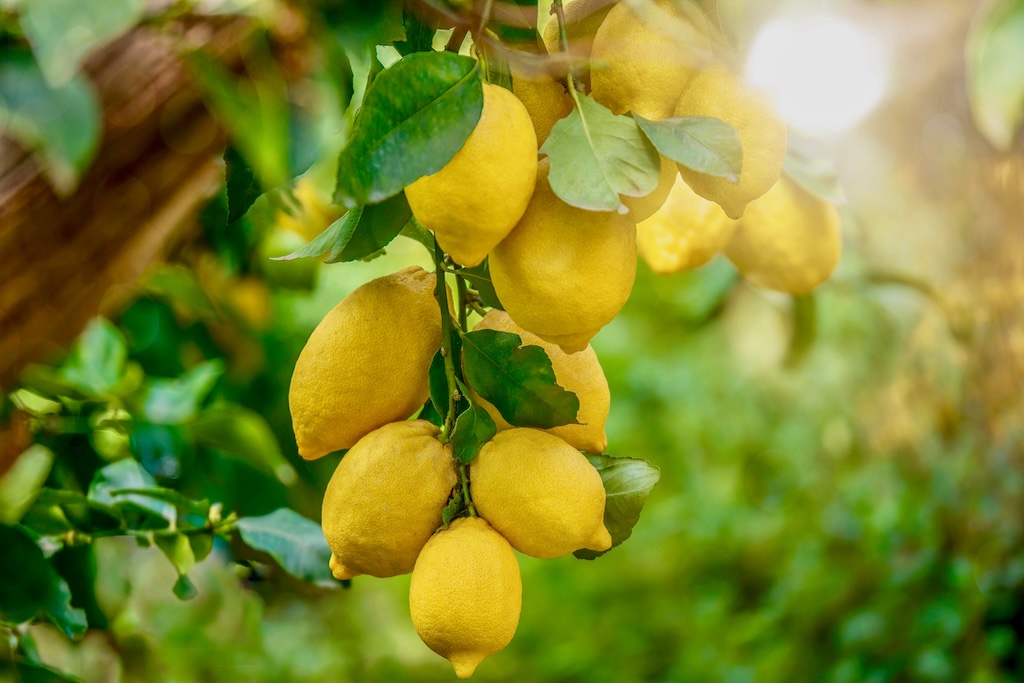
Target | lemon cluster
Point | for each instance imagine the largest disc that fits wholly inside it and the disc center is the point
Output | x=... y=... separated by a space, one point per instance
x=360 y=375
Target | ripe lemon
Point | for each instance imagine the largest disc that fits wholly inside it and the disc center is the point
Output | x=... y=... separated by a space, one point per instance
x=365 y=364
x=385 y=499
x=643 y=57
x=466 y=594
x=788 y=240
x=563 y=273
x=579 y=373
x=478 y=196
x=582 y=19
x=720 y=93
x=313 y=214
x=642 y=208
x=686 y=233
x=544 y=97
x=540 y=493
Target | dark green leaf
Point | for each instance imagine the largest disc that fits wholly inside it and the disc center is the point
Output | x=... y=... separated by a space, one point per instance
x=296 y=543
x=480 y=279
x=179 y=285
x=995 y=71
x=808 y=165
x=703 y=143
x=517 y=23
x=31 y=585
x=64 y=32
x=128 y=474
x=201 y=544
x=184 y=589
x=453 y=508
x=178 y=550
x=627 y=483
x=596 y=156
x=429 y=413
x=419 y=36
x=60 y=124
x=438 y=384
x=243 y=187
x=517 y=380
x=97 y=360
x=414 y=231
x=415 y=117
x=358 y=234
x=34 y=672
x=473 y=428
x=174 y=401
x=243 y=433
x=179 y=501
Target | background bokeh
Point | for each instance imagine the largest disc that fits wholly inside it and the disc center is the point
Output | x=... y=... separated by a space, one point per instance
x=840 y=494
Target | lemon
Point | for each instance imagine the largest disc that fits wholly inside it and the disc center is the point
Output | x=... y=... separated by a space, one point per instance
x=720 y=93
x=644 y=207
x=544 y=97
x=644 y=56
x=582 y=19
x=579 y=373
x=788 y=240
x=686 y=233
x=563 y=272
x=540 y=493
x=365 y=364
x=385 y=499
x=473 y=202
x=466 y=594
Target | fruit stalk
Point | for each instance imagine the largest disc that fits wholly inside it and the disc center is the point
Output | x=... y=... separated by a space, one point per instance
x=446 y=345
x=563 y=34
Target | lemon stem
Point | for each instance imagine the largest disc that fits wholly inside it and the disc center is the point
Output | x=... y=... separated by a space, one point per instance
x=463 y=301
x=464 y=480
x=563 y=34
x=441 y=293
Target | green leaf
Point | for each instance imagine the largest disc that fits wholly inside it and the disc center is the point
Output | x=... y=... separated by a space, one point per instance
x=627 y=483
x=473 y=428
x=358 y=234
x=995 y=71
x=97 y=360
x=480 y=278
x=35 y=672
x=184 y=589
x=453 y=508
x=60 y=124
x=174 y=401
x=32 y=586
x=64 y=32
x=128 y=474
x=804 y=329
x=703 y=143
x=518 y=380
x=415 y=117
x=22 y=482
x=178 y=550
x=296 y=543
x=256 y=113
x=179 y=285
x=438 y=380
x=808 y=165
x=243 y=187
x=245 y=434
x=596 y=156
x=414 y=231
x=178 y=500
x=419 y=36
x=201 y=544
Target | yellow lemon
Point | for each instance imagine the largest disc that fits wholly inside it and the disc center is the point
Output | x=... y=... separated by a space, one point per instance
x=788 y=240
x=540 y=493
x=473 y=202
x=563 y=273
x=544 y=97
x=582 y=19
x=720 y=93
x=313 y=214
x=466 y=594
x=686 y=233
x=642 y=208
x=385 y=499
x=579 y=373
x=365 y=364
x=644 y=56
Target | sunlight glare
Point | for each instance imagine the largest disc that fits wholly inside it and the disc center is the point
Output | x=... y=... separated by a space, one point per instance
x=825 y=73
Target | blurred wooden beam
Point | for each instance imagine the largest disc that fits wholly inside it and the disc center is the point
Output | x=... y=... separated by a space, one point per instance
x=63 y=260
